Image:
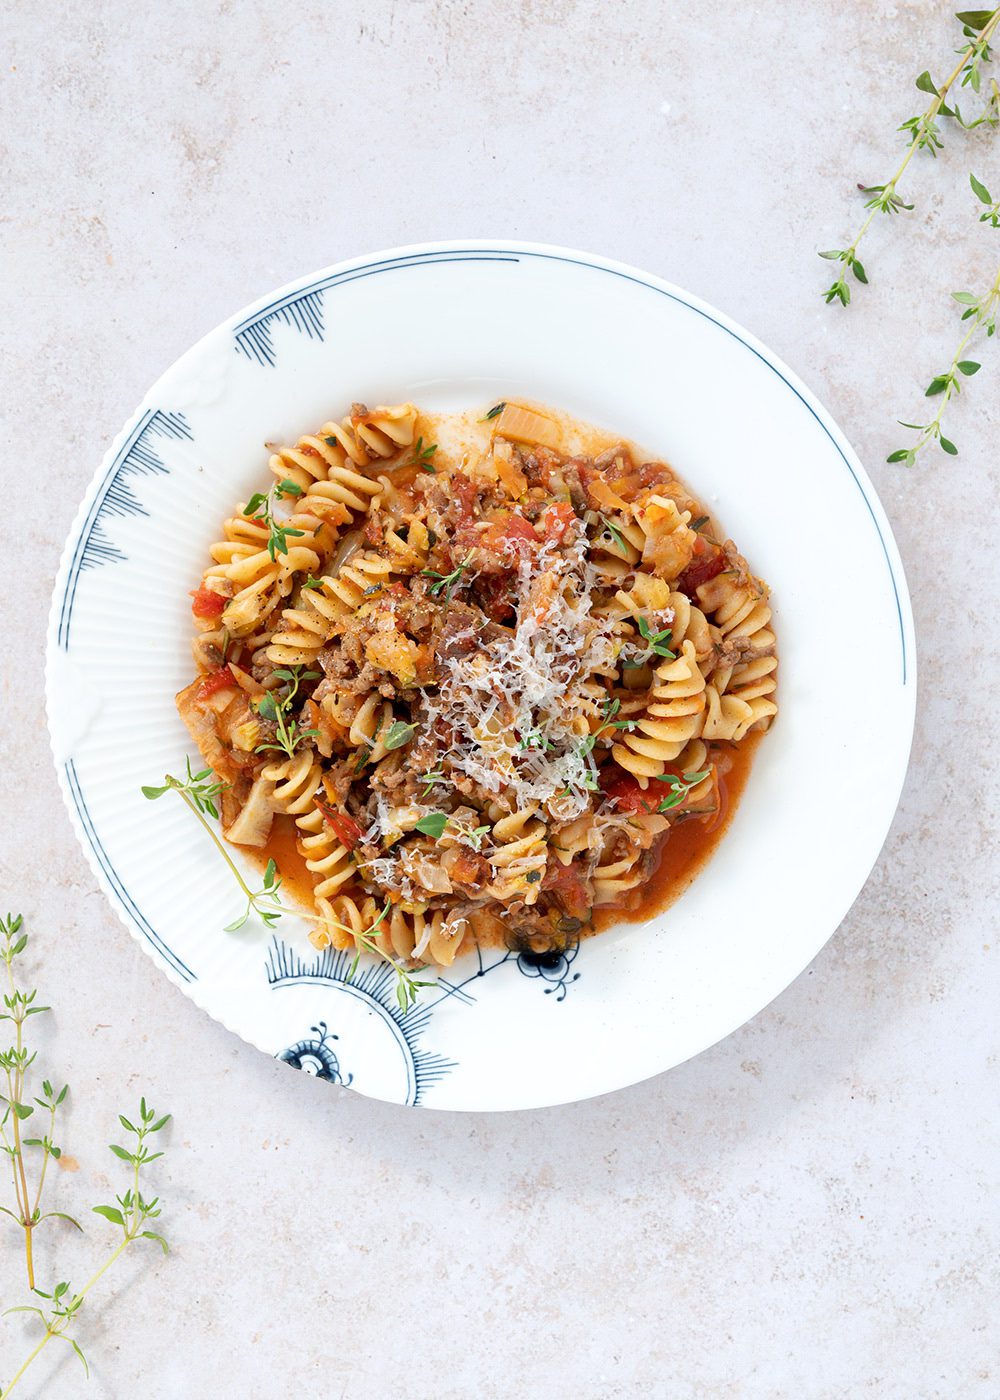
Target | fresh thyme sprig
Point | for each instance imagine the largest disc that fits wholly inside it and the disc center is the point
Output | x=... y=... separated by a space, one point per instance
x=991 y=215
x=15 y=1064
x=268 y=891
x=276 y=706
x=657 y=640
x=617 y=538
x=446 y=582
x=433 y=824
x=261 y=507
x=678 y=788
x=131 y=1213
x=923 y=132
x=430 y=779
x=199 y=795
x=422 y=456
x=471 y=835
x=608 y=721
x=981 y=313
x=398 y=734
x=407 y=987
x=535 y=739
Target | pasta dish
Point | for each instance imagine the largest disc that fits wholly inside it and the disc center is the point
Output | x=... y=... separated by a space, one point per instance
x=485 y=666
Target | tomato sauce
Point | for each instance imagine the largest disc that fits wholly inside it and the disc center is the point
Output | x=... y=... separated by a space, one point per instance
x=296 y=880
x=688 y=845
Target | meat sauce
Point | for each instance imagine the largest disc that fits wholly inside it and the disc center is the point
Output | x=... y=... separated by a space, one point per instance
x=687 y=846
x=680 y=858
x=690 y=843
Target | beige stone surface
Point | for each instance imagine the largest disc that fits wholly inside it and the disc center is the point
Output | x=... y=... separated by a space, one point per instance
x=809 y=1209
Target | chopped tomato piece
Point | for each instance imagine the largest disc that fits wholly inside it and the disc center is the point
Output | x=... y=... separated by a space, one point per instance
x=496 y=594
x=654 y=474
x=624 y=791
x=464 y=491
x=709 y=560
x=507 y=531
x=208 y=604
x=221 y=679
x=345 y=828
x=569 y=887
x=556 y=520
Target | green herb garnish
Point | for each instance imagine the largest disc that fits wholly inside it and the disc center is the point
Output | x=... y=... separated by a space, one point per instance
x=275 y=707
x=261 y=507
x=131 y=1214
x=657 y=640
x=398 y=734
x=446 y=582
x=422 y=456
x=981 y=313
x=15 y=1064
x=269 y=890
x=617 y=537
x=433 y=824
x=430 y=779
x=679 y=787
x=494 y=412
x=199 y=795
x=608 y=721
x=923 y=133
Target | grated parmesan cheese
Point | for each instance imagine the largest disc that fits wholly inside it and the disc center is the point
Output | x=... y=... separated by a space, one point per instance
x=518 y=705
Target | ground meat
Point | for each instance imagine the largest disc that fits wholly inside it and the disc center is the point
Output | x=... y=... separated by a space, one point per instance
x=458 y=631
x=611 y=456
x=731 y=651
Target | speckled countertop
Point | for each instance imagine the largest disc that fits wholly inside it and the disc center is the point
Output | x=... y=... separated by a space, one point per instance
x=810 y=1209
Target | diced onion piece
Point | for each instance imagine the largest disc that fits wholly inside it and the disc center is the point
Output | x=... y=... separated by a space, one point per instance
x=348 y=546
x=252 y=826
x=602 y=495
x=245 y=681
x=524 y=425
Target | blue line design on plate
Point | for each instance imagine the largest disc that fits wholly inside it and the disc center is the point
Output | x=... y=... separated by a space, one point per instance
x=375 y=985
x=264 y=352
x=303 y=308
x=125 y=899
x=115 y=498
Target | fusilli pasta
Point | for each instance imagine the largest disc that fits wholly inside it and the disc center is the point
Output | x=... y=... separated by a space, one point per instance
x=483 y=683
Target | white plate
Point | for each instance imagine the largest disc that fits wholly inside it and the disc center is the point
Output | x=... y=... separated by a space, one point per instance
x=449 y=326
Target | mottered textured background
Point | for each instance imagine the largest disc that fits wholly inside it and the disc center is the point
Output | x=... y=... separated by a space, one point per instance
x=810 y=1208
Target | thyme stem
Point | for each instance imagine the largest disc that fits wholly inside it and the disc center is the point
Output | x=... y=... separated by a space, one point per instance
x=886 y=199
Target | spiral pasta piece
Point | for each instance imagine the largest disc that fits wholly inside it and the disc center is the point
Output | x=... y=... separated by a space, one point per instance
x=359 y=439
x=370 y=727
x=613 y=878
x=424 y=936
x=340 y=919
x=305 y=629
x=362 y=575
x=518 y=856
x=674 y=716
x=296 y=781
x=328 y=861
x=259 y=584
